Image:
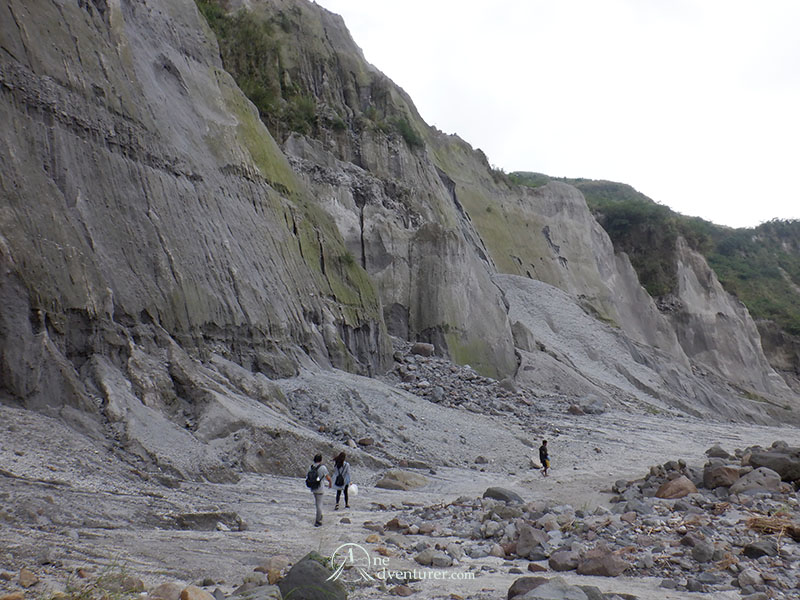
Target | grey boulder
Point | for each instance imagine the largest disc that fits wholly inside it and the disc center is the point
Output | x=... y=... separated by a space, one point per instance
x=308 y=580
x=503 y=494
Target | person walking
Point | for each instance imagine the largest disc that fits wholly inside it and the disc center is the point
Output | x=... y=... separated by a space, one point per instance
x=314 y=479
x=544 y=457
x=341 y=479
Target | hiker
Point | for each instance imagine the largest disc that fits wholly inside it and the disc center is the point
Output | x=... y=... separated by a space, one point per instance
x=341 y=479
x=544 y=457
x=314 y=478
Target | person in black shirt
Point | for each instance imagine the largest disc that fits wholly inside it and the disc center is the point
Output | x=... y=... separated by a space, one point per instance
x=544 y=457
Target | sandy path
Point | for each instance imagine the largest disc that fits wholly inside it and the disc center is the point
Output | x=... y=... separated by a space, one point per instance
x=95 y=513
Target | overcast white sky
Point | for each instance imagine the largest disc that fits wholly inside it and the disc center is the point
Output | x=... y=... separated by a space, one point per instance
x=695 y=103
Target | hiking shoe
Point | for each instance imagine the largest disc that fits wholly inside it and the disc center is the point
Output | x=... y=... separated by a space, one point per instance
x=336 y=507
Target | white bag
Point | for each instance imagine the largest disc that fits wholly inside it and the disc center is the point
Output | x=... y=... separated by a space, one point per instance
x=352 y=489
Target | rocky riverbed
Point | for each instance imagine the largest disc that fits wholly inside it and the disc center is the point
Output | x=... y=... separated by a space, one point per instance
x=78 y=515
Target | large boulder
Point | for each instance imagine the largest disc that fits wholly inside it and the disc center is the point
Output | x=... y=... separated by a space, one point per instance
x=715 y=476
x=530 y=538
x=523 y=585
x=503 y=494
x=423 y=349
x=761 y=479
x=308 y=580
x=565 y=560
x=555 y=589
x=783 y=460
x=396 y=479
x=606 y=564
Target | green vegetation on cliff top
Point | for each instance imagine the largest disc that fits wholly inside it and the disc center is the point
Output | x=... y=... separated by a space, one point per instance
x=760 y=265
x=280 y=76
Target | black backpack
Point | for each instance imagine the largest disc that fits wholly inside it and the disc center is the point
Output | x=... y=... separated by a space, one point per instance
x=312 y=478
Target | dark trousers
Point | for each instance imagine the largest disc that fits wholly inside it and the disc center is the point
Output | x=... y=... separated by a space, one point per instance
x=339 y=495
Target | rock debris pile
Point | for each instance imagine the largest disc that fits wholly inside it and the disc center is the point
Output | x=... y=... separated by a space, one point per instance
x=419 y=371
x=733 y=524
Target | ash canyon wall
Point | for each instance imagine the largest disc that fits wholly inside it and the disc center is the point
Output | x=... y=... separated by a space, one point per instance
x=167 y=265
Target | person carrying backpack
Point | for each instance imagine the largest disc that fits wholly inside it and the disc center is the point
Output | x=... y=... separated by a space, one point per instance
x=314 y=478
x=341 y=479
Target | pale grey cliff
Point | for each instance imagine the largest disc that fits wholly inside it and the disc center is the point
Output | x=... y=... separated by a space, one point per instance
x=716 y=330
x=147 y=215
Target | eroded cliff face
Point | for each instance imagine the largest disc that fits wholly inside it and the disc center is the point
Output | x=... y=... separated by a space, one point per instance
x=163 y=259
x=431 y=221
x=782 y=351
x=716 y=330
x=398 y=212
x=548 y=234
x=150 y=221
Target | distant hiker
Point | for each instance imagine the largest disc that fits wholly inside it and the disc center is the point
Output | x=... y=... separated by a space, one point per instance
x=341 y=479
x=544 y=457
x=314 y=478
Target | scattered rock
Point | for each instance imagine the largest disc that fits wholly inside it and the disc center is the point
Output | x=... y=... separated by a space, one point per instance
x=425 y=558
x=720 y=476
x=606 y=565
x=423 y=349
x=716 y=451
x=260 y=592
x=566 y=560
x=193 y=592
x=759 y=548
x=523 y=585
x=782 y=459
x=395 y=479
x=555 y=589
x=676 y=488
x=27 y=578
x=166 y=591
x=503 y=494
x=761 y=479
x=749 y=577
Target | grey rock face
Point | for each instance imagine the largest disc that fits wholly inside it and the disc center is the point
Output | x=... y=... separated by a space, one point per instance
x=156 y=244
x=433 y=275
x=563 y=350
x=716 y=330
